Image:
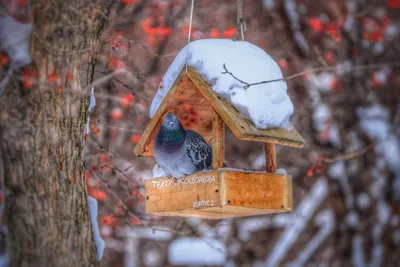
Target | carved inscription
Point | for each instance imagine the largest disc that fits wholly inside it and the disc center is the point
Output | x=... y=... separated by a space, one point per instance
x=203 y=203
x=190 y=180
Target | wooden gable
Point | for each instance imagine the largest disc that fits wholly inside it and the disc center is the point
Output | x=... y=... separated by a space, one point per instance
x=192 y=100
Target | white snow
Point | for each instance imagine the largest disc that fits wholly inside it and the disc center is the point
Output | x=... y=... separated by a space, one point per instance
x=4 y=260
x=300 y=221
x=269 y=4
x=191 y=250
x=159 y=233
x=234 y=248
x=258 y=161
x=159 y=172
x=281 y=171
x=325 y=80
x=382 y=75
x=326 y=220
x=95 y=226
x=338 y=172
x=353 y=219
x=92 y=103
x=383 y=211
x=358 y=258
x=152 y=257
x=322 y=119
x=250 y=225
x=266 y=105
x=17 y=44
x=358 y=255
x=363 y=201
x=375 y=122
x=321 y=116
x=294 y=20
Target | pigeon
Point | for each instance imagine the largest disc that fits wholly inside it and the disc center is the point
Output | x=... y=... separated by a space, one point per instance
x=180 y=152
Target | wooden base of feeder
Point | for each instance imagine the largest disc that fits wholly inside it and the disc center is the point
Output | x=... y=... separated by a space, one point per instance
x=219 y=194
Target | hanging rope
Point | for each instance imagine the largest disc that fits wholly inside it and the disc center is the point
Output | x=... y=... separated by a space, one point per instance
x=240 y=24
x=190 y=31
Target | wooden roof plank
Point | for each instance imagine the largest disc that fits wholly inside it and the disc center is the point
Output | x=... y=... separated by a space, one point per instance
x=139 y=149
x=240 y=126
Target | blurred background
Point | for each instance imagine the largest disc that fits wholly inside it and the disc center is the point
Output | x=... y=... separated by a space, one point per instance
x=346 y=95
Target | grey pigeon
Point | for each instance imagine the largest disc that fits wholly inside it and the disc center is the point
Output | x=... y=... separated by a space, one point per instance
x=178 y=151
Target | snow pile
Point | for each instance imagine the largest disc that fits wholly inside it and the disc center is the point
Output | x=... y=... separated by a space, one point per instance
x=100 y=244
x=374 y=121
x=190 y=251
x=266 y=105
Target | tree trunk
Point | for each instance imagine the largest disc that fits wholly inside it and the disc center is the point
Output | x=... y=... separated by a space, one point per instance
x=42 y=139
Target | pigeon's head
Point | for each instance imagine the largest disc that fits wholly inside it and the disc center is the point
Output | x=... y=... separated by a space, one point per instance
x=171 y=122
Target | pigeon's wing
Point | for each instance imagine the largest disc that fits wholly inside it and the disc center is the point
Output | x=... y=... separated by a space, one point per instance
x=198 y=151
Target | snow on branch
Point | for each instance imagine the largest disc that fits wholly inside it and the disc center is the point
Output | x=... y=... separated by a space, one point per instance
x=294 y=21
x=326 y=221
x=301 y=218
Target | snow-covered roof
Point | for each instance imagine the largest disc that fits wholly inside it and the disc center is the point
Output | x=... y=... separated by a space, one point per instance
x=266 y=105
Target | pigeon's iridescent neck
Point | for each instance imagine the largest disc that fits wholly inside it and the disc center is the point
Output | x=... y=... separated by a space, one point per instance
x=171 y=139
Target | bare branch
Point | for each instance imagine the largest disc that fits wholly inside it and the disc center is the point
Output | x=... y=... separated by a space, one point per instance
x=350 y=155
x=319 y=69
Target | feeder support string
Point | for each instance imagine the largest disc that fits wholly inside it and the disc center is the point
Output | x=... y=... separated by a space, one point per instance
x=241 y=25
x=190 y=31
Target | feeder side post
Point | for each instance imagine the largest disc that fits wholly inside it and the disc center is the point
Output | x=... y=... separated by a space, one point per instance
x=218 y=141
x=270 y=158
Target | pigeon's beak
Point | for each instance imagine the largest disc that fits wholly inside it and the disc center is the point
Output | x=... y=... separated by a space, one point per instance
x=171 y=122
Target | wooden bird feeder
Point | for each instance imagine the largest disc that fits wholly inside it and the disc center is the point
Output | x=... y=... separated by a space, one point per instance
x=220 y=192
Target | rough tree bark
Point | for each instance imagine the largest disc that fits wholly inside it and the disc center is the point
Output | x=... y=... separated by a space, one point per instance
x=42 y=139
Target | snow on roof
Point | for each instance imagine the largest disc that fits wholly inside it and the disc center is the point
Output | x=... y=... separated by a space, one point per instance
x=266 y=105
